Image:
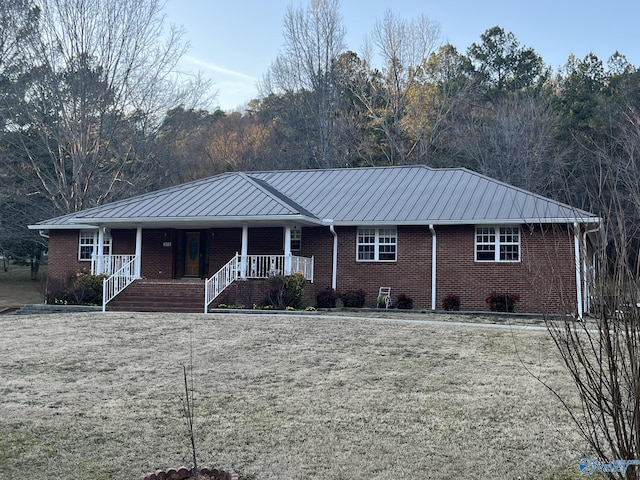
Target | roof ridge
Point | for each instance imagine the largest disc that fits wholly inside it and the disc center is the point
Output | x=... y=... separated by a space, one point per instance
x=277 y=195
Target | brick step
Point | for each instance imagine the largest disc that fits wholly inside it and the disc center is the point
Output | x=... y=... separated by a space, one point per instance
x=149 y=296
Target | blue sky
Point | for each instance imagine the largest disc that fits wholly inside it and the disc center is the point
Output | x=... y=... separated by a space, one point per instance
x=234 y=42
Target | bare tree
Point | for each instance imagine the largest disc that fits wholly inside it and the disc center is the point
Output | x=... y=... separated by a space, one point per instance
x=402 y=46
x=100 y=77
x=513 y=139
x=602 y=353
x=314 y=37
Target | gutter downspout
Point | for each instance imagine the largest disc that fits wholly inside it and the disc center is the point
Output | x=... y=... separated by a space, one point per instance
x=433 y=267
x=334 y=274
x=576 y=248
x=587 y=278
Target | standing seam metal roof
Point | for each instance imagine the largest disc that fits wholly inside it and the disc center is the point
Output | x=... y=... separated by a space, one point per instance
x=348 y=196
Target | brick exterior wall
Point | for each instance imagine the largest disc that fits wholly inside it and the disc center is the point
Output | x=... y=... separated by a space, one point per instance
x=63 y=256
x=544 y=278
x=409 y=275
x=158 y=250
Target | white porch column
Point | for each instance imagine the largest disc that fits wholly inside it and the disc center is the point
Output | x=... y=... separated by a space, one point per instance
x=287 y=250
x=100 y=252
x=138 y=262
x=244 y=251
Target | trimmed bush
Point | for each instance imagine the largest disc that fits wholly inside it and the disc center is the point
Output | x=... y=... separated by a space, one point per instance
x=353 y=298
x=327 y=298
x=451 y=303
x=404 y=302
x=502 y=302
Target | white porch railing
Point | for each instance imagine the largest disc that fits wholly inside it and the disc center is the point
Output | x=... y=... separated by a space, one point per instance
x=108 y=264
x=257 y=266
x=221 y=280
x=121 y=279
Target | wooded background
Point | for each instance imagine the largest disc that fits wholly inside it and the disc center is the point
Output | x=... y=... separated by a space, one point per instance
x=93 y=109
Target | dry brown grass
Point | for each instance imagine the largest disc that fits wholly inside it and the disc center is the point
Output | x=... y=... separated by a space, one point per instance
x=98 y=396
x=17 y=288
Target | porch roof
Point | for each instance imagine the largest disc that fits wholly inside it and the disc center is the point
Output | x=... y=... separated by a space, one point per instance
x=347 y=196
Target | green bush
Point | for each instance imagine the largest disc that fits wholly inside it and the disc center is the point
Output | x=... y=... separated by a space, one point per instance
x=285 y=291
x=82 y=288
x=451 y=303
x=502 y=302
x=353 y=298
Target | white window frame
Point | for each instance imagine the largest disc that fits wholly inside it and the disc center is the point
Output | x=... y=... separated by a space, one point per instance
x=381 y=242
x=296 y=238
x=497 y=242
x=89 y=238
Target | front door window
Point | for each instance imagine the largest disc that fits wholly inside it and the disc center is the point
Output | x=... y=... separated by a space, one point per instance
x=192 y=254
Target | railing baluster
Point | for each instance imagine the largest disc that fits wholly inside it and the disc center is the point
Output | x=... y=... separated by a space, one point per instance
x=118 y=281
x=258 y=266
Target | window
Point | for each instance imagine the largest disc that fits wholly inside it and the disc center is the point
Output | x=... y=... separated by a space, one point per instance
x=296 y=238
x=89 y=243
x=377 y=244
x=497 y=244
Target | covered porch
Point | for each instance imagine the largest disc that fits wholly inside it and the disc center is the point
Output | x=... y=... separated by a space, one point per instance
x=196 y=253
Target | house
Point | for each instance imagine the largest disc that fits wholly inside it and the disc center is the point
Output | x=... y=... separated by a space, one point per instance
x=424 y=232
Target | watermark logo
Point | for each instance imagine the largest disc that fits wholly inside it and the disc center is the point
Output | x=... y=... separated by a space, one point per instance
x=589 y=466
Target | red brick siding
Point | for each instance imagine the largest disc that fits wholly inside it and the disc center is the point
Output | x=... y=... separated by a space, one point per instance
x=266 y=241
x=225 y=243
x=544 y=278
x=409 y=275
x=63 y=255
x=63 y=251
x=157 y=260
x=317 y=242
x=123 y=242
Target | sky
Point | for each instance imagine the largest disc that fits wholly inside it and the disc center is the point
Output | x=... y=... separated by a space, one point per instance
x=233 y=42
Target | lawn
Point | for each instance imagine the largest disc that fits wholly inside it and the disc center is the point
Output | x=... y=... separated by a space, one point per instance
x=99 y=396
x=17 y=288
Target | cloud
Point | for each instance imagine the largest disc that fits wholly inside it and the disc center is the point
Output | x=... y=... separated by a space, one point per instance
x=218 y=69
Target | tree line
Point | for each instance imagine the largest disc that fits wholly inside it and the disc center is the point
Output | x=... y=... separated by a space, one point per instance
x=92 y=109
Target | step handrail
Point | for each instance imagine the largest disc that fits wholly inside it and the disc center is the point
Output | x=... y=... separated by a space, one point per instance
x=220 y=280
x=117 y=282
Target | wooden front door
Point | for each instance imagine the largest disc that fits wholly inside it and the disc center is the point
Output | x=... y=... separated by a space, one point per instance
x=192 y=254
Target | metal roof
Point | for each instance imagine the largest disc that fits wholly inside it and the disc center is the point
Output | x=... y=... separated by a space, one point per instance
x=346 y=196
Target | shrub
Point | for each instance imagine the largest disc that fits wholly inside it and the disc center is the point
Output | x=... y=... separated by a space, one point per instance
x=404 y=302
x=353 y=298
x=451 y=303
x=285 y=291
x=82 y=288
x=502 y=302
x=327 y=298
